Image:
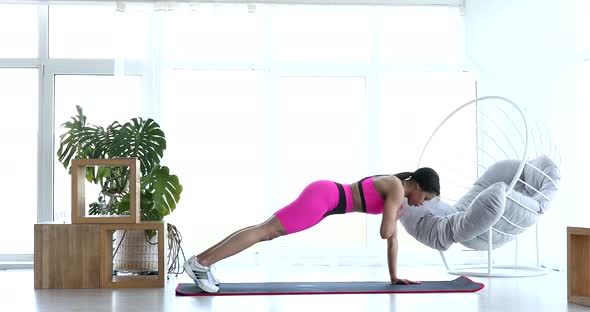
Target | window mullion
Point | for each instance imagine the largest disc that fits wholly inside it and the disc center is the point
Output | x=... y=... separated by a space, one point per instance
x=45 y=144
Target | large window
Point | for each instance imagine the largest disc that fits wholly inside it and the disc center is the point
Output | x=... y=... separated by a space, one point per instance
x=19 y=125
x=19 y=122
x=256 y=101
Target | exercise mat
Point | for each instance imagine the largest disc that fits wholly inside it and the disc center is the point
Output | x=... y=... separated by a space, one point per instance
x=460 y=284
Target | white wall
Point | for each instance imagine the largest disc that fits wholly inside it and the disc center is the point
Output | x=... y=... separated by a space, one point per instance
x=525 y=50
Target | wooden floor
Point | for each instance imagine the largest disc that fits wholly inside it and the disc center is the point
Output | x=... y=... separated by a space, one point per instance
x=545 y=293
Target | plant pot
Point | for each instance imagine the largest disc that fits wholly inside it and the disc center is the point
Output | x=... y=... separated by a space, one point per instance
x=133 y=253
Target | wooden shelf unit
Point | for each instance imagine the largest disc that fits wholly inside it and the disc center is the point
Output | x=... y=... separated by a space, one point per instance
x=66 y=256
x=81 y=256
x=578 y=265
x=107 y=279
x=78 y=172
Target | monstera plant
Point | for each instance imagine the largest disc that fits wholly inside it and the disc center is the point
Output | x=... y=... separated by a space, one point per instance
x=140 y=138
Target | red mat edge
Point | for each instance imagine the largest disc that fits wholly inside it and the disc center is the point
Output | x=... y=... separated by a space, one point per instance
x=180 y=293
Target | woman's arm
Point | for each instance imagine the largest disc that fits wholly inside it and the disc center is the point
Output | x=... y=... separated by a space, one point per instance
x=389 y=232
x=392 y=258
x=392 y=262
x=393 y=202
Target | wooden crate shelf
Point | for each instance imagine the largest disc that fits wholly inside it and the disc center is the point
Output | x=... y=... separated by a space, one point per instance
x=66 y=256
x=78 y=172
x=578 y=265
x=80 y=256
x=107 y=279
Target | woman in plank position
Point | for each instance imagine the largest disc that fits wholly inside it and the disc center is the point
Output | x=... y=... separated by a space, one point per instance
x=381 y=194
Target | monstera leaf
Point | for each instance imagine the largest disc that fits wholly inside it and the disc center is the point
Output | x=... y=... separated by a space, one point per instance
x=84 y=141
x=164 y=187
x=142 y=139
x=74 y=142
x=160 y=193
x=101 y=139
x=147 y=211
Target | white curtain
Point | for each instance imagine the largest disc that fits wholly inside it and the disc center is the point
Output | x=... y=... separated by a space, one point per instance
x=258 y=101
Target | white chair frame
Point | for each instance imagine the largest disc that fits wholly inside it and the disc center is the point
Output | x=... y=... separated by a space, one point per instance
x=492 y=270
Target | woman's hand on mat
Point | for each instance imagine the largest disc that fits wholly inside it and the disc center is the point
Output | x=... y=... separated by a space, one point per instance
x=403 y=281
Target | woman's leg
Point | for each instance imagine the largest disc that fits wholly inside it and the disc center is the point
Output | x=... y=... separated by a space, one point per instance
x=223 y=240
x=241 y=240
x=307 y=210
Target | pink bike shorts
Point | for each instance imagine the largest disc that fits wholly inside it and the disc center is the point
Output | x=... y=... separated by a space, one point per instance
x=317 y=201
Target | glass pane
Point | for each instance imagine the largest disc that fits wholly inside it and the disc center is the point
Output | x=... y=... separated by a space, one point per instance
x=104 y=99
x=19 y=31
x=319 y=33
x=583 y=26
x=322 y=131
x=96 y=32
x=19 y=124
x=224 y=32
x=215 y=128
x=421 y=34
x=411 y=106
x=582 y=126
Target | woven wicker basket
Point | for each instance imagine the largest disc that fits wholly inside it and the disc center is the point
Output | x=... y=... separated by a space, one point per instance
x=134 y=253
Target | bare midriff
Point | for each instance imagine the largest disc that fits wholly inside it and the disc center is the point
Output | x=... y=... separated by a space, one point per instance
x=356 y=197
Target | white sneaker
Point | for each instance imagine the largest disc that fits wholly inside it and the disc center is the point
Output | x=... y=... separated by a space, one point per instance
x=200 y=274
x=210 y=269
